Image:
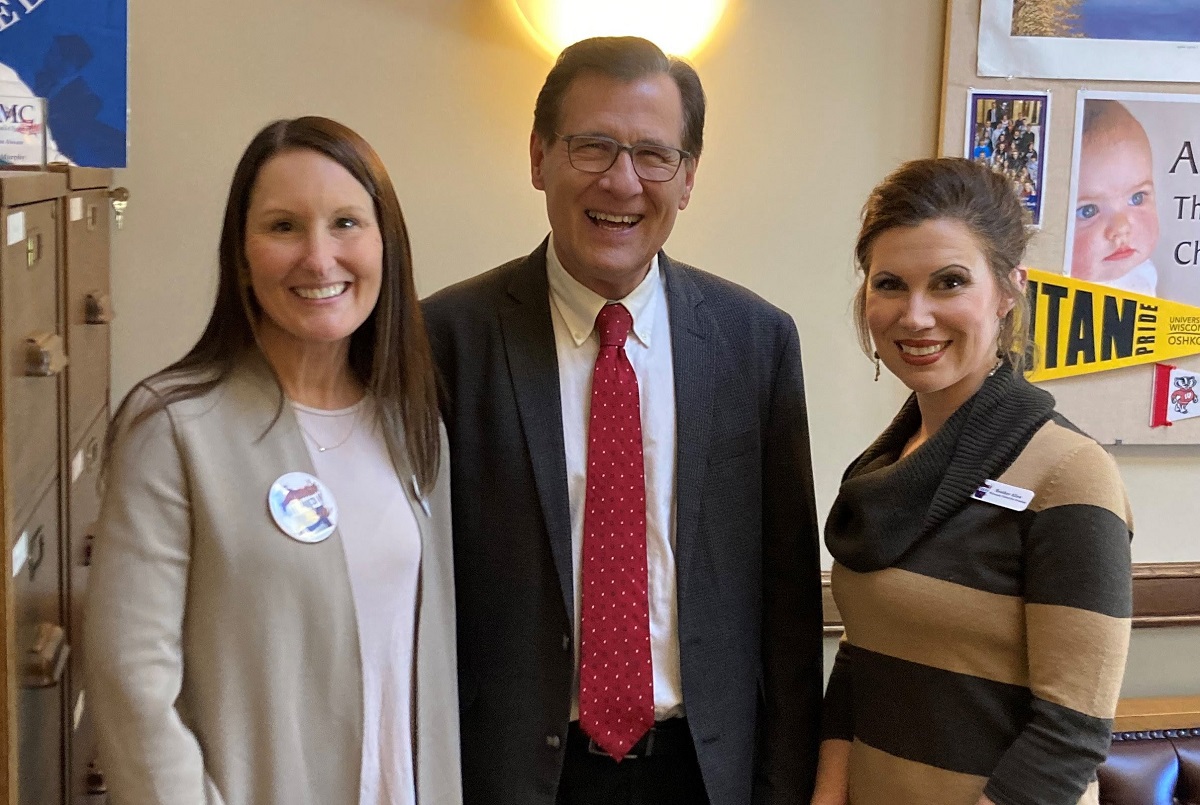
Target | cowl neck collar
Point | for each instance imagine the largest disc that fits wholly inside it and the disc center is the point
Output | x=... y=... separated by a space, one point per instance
x=886 y=504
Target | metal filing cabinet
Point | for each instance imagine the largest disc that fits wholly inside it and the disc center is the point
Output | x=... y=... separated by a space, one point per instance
x=88 y=310
x=82 y=512
x=32 y=360
x=88 y=306
x=42 y=651
x=54 y=379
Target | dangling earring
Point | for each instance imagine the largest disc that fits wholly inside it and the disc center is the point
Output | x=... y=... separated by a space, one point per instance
x=876 y=366
x=999 y=349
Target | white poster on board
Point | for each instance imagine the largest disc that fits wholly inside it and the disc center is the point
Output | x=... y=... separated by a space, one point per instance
x=1134 y=214
x=22 y=131
x=1111 y=40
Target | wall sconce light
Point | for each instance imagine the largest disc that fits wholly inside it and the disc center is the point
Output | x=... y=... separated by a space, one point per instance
x=680 y=27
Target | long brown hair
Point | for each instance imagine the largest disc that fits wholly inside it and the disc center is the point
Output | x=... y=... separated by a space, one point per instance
x=389 y=353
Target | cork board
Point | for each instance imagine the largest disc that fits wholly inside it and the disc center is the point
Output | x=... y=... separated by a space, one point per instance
x=1112 y=406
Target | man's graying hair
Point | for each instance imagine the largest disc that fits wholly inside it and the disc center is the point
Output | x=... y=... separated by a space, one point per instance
x=625 y=58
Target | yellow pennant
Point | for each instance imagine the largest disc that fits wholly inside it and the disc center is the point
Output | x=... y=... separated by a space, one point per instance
x=1082 y=327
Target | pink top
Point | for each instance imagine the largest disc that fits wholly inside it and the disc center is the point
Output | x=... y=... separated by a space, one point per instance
x=382 y=544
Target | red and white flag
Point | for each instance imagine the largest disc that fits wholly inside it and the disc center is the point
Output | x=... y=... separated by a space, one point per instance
x=1176 y=395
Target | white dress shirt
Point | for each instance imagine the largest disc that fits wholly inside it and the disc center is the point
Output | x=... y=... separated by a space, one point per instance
x=573 y=310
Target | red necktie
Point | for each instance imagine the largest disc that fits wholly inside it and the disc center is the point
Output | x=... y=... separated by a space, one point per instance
x=616 y=680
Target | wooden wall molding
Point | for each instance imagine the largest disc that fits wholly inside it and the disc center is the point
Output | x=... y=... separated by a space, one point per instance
x=1158 y=713
x=1164 y=594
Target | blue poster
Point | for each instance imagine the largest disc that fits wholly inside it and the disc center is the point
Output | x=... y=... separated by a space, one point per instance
x=73 y=53
x=1126 y=20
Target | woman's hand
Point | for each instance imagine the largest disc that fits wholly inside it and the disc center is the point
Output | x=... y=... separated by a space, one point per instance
x=833 y=773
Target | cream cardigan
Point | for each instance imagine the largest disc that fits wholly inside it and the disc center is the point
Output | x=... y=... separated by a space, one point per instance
x=222 y=657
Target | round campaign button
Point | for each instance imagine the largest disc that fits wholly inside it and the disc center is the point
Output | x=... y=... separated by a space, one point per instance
x=302 y=507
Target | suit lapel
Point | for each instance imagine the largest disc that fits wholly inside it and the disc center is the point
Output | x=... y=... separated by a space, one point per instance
x=533 y=365
x=691 y=354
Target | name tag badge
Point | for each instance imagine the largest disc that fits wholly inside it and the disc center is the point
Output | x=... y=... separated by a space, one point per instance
x=1009 y=497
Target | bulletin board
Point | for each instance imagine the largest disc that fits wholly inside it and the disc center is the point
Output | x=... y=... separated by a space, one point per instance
x=1113 y=406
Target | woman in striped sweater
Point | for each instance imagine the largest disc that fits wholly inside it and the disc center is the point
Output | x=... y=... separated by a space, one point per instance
x=981 y=544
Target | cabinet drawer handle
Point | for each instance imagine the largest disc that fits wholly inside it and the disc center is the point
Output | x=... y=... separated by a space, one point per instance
x=33 y=249
x=91 y=453
x=45 y=355
x=89 y=544
x=37 y=551
x=47 y=658
x=98 y=307
x=95 y=780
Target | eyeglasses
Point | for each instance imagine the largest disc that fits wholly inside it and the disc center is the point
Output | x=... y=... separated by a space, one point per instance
x=592 y=153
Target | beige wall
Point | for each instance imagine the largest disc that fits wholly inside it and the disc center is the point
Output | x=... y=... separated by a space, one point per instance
x=807 y=111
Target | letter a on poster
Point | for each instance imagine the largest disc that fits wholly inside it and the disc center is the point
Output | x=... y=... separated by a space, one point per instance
x=1082 y=327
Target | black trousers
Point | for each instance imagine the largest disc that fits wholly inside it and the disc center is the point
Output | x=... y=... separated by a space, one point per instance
x=664 y=770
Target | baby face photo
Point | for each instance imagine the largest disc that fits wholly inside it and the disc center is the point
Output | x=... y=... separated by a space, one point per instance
x=1132 y=224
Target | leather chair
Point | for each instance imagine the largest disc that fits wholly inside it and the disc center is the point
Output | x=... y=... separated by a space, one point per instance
x=1153 y=767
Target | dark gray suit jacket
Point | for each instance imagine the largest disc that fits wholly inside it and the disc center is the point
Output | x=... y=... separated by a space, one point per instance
x=749 y=595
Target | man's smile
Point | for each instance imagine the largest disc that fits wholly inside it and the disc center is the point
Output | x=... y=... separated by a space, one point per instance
x=608 y=220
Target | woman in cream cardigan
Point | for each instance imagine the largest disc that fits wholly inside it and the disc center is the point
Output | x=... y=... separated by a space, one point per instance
x=271 y=613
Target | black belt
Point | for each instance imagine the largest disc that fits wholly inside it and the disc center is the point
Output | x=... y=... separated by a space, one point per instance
x=665 y=738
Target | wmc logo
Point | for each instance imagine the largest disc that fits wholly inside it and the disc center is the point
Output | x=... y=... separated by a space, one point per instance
x=19 y=113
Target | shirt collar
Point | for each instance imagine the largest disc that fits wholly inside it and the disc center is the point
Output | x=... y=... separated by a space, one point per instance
x=579 y=305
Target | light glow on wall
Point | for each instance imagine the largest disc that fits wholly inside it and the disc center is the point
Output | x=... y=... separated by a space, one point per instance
x=679 y=27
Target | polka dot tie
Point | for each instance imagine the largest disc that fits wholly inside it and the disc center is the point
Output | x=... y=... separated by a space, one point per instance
x=616 y=680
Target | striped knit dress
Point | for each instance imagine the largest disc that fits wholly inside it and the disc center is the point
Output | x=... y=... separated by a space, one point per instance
x=984 y=647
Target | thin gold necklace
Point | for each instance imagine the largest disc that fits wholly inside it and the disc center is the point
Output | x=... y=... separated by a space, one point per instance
x=322 y=448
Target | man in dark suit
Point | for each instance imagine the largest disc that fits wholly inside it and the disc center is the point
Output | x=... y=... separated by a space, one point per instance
x=639 y=607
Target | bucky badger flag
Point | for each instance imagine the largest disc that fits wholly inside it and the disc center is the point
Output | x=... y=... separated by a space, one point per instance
x=1176 y=395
